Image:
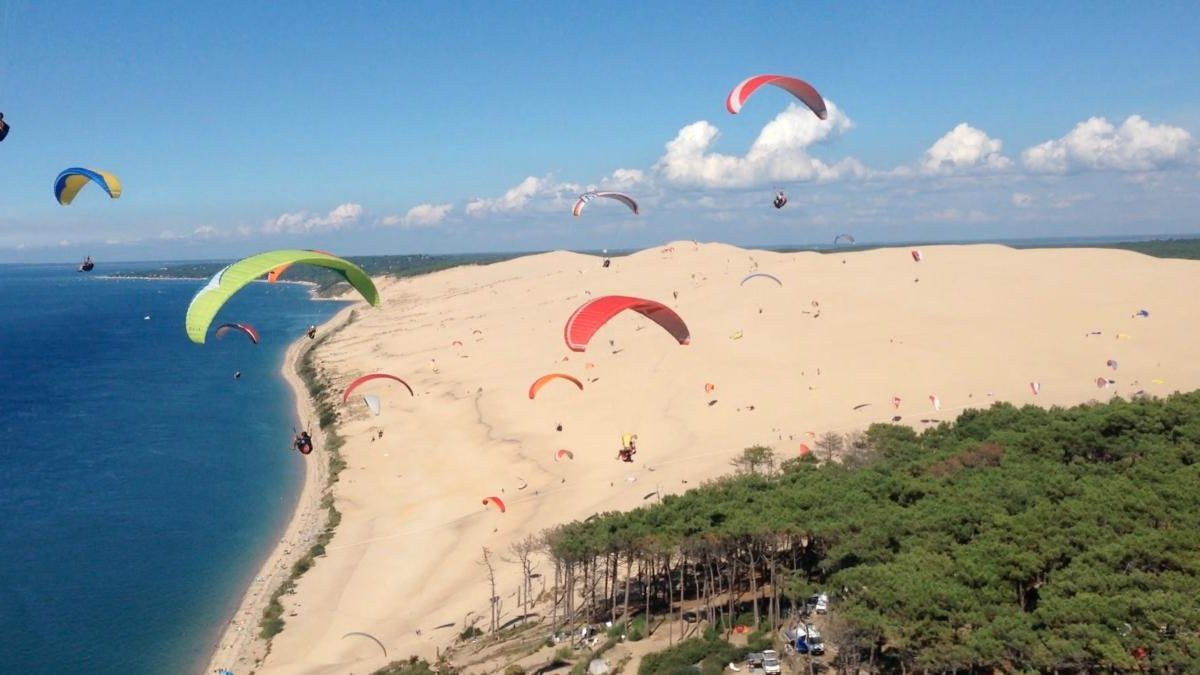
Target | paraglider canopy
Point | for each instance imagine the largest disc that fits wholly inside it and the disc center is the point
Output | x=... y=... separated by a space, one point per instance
x=274 y=274
x=209 y=299
x=369 y=637
x=541 y=381
x=763 y=275
x=495 y=501
x=250 y=331
x=796 y=87
x=844 y=238
x=593 y=314
x=87 y=265
x=71 y=181
x=373 y=376
x=619 y=196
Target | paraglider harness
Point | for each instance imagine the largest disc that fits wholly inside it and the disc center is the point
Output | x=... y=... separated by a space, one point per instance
x=87 y=264
x=628 y=450
x=303 y=443
x=780 y=200
x=312 y=332
x=3 y=127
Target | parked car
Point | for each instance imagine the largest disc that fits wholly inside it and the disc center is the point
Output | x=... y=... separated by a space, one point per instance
x=754 y=659
x=816 y=645
x=818 y=603
x=770 y=662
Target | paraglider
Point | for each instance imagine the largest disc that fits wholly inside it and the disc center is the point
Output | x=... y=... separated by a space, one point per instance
x=563 y=453
x=3 y=127
x=780 y=200
x=1111 y=363
x=763 y=275
x=210 y=298
x=619 y=196
x=303 y=443
x=250 y=331
x=1104 y=383
x=593 y=314
x=895 y=401
x=796 y=87
x=71 y=181
x=369 y=637
x=937 y=402
x=628 y=447
x=917 y=256
x=844 y=238
x=709 y=387
x=274 y=274
x=1035 y=387
x=1141 y=314
x=373 y=376
x=541 y=381
x=87 y=265
x=495 y=501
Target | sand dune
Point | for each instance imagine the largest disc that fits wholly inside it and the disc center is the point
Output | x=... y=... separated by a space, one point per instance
x=969 y=324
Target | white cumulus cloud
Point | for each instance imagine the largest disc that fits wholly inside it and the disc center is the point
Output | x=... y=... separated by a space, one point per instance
x=1096 y=144
x=421 y=215
x=779 y=153
x=531 y=193
x=622 y=179
x=341 y=217
x=965 y=148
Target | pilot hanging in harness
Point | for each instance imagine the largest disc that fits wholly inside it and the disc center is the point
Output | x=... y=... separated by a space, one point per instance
x=780 y=200
x=303 y=443
x=628 y=447
x=3 y=127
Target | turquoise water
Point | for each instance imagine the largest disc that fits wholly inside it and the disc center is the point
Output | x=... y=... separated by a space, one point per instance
x=141 y=485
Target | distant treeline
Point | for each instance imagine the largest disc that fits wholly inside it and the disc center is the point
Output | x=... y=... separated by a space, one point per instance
x=327 y=281
x=1012 y=540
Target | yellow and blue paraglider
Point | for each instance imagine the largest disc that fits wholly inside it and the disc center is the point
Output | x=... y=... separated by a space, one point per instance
x=70 y=182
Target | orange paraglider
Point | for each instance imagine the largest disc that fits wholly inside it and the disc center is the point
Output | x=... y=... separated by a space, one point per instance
x=538 y=383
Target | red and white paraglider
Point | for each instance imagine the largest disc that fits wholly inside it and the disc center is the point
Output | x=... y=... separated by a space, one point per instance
x=794 y=86
x=593 y=314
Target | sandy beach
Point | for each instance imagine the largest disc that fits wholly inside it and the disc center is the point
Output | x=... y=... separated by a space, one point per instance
x=240 y=646
x=843 y=340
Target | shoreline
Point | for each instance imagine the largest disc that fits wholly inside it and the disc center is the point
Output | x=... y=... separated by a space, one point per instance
x=239 y=647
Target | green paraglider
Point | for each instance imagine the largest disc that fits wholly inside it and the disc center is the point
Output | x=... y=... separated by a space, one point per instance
x=209 y=299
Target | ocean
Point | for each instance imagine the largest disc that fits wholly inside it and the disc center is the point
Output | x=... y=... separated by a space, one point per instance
x=141 y=484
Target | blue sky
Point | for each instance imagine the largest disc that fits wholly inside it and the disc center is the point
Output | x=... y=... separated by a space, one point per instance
x=456 y=127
